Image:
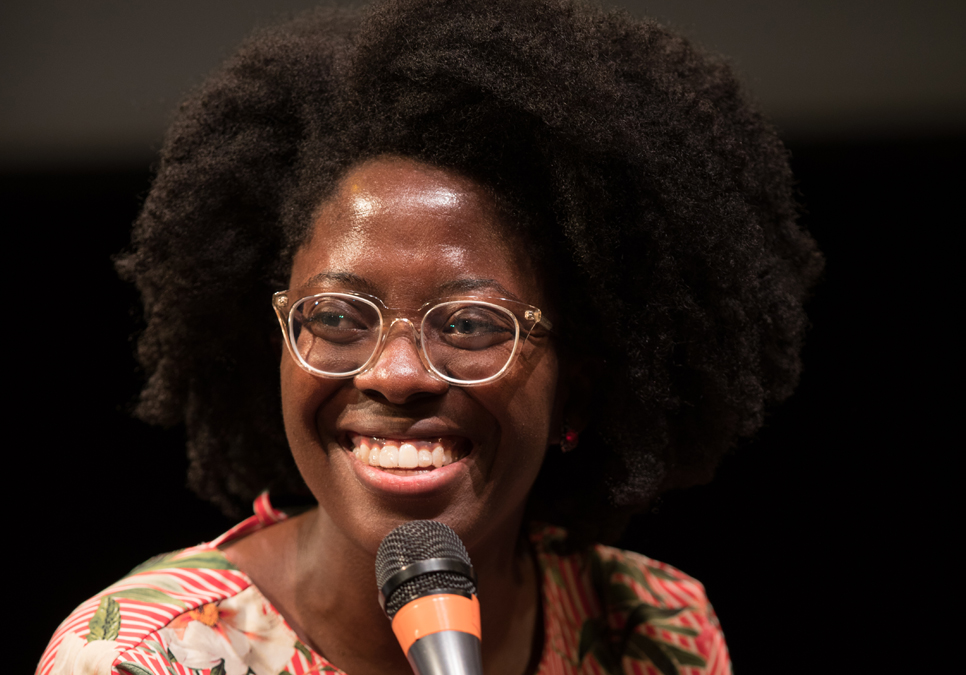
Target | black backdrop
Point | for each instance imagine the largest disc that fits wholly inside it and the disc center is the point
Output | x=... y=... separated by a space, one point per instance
x=821 y=542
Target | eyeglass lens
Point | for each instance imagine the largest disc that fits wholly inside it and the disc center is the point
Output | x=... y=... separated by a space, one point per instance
x=462 y=340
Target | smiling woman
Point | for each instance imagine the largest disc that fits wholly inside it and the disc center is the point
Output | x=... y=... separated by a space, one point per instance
x=533 y=264
x=408 y=248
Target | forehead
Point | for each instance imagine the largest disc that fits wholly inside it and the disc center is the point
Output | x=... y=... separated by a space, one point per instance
x=408 y=229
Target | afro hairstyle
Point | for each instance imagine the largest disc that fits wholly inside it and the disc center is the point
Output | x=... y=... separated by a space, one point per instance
x=656 y=197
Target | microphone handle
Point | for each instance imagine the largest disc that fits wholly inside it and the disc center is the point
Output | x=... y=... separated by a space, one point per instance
x=448 y=652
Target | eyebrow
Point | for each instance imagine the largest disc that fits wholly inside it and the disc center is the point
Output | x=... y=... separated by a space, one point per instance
x=346 y=278
x=463 y=285
x=448 y=288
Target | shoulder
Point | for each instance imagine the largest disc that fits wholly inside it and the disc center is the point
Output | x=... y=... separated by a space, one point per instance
x=627 y=612
x=187 y=611
x=122 y=626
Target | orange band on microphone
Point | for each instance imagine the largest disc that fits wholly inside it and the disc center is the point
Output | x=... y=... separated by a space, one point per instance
x=433 y=614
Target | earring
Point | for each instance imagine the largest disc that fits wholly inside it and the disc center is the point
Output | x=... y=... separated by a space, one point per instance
x=569 y=439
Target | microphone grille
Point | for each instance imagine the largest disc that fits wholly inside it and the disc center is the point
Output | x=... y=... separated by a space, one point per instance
x=414 y=541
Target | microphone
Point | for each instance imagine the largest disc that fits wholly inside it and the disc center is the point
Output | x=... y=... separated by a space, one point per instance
x=427 y=588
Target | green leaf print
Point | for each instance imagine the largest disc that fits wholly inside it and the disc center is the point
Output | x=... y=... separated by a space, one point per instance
x=644 y=613
x=164 y=581
x=203 y=560
x=637 y=616
x=306 y=652
x=219 y=669
x=133 y=669
x=595 y=639
x=620 y=567
x=621 y=595
x=661 y=654
x=684 y=657
x=106 y=622
x=643 y=648
x=303 y=650
x=608 y=645
x=637 y=645
x=152 y=561
x=681 y=630
x=662 y=574
x=147 y=595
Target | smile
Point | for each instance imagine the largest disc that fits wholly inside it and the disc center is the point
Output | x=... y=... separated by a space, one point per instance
x=407 y=455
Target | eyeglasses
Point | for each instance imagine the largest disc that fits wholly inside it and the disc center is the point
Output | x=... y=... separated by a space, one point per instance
x=463 y=341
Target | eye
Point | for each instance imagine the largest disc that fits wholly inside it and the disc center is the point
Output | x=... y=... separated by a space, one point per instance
x=473 y=326
x=338 y=319
x=331 y=319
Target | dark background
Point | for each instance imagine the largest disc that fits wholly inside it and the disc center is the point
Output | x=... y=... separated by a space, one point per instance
x=823 y=542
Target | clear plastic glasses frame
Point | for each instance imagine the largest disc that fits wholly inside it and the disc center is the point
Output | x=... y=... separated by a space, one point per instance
x=289 y=305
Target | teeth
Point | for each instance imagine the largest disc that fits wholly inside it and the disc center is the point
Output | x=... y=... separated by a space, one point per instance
x=393 y=454
x=389 y=457
x=408 y=456
x=362 y=451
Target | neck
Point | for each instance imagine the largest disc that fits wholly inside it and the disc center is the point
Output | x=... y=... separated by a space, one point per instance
x=294 y=565
x=334 y=595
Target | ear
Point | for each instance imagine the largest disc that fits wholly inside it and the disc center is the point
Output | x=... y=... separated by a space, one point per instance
x=579 y=378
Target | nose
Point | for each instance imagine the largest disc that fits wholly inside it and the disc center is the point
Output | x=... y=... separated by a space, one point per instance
x=398 y=375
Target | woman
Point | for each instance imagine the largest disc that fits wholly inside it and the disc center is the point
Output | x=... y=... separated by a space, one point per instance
x=533 y=263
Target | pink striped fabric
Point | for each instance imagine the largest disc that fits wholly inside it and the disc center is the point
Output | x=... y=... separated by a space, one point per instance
x=193 y=613
x=594 y=603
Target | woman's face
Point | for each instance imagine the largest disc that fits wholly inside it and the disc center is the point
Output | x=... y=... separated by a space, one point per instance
x=409 y=233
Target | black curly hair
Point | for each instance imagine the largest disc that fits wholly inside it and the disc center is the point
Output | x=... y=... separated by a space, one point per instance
x=657 y=197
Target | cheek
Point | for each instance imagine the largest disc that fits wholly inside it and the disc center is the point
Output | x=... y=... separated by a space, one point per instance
x=302 y=397
x=531 y=412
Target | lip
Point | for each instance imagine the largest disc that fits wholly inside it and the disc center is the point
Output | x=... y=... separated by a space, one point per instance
x=419 y=483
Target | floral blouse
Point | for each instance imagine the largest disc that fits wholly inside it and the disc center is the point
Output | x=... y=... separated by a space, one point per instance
x=193 y=613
